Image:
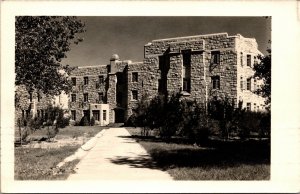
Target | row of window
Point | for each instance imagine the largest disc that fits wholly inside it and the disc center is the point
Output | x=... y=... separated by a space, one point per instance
x=248 y=84
x=96 y=114
x=101 y=96
x=249 y=60
x=255 y=107
x=101 y=79
x=39 y=97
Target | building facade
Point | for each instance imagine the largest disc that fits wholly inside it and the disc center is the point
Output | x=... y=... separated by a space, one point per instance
x=198 y=67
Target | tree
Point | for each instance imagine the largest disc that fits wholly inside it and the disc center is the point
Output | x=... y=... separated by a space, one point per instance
x=41 y=43
x=263 y=71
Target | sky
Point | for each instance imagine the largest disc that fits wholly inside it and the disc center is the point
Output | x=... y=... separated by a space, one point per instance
x=126 y=36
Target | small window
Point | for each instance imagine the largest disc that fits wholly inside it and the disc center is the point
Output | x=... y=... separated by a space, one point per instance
x=73 y=113
x=38 y=97
x=215 y=82
x=86 y=80
x=23 y=114
x=134 y=95
x=242 y=59
x=249 y=84
x=101 y=97
x=254 y=85
x=73 y=81
x=248 y=106
x=249 y=60
x=104 y=115
x=38 y=113
x=187 y=84
x=101 y=79
x=186 y=57
x=242 y=83
x=85 y=97
x=215 y=57
x=73 y=97
x=42 y=113
x=30 y=96
x=134 y=77
x=254 y=106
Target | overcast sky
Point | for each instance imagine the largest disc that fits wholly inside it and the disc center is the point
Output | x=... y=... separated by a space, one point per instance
x=126 y=36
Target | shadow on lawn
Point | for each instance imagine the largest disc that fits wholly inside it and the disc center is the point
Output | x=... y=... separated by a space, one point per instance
x=216 y=154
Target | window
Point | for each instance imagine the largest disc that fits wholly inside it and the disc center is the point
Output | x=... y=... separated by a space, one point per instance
x=249 y=84
x=255 y=60
x=186 y=84
x=249 y=60
x=215 y=82
x=242 y=59
x=215 y=57
x=134 y=77
x=38 y=113
x=100 y=97
x=254 y=85
x=73 y=81
x=86 y=80
x=27 y=113
x=30 y=96
x=38 y=97
x=104 y=115
x=186 y=71
x=248 y=106
x=73 y=97
x=134 y=95
x=101 y=79
x=85 y=97
x=73 y=115
x=23 y=113
x=242 y=83
x=254 y=106
x=42 y=113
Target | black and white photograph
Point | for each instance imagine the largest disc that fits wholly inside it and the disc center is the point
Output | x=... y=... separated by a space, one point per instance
x=125 y=98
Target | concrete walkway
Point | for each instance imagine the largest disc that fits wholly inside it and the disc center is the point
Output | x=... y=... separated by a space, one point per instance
x=116 y=156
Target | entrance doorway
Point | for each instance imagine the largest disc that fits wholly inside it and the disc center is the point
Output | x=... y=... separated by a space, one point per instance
x=96 y=115
x=119 y=116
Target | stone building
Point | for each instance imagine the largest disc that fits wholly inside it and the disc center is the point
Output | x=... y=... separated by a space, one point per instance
x=198 y=67
x=30 y=104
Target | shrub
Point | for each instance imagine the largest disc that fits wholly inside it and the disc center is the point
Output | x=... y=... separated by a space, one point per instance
x=35 y=123
x=92 y=123
x=84 y=121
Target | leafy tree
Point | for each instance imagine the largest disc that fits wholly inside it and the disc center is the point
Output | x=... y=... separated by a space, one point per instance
x=41 y=43
x=263 y=71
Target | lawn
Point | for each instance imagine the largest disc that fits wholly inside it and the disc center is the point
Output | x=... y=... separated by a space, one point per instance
x=40 y=164
x=218 y=160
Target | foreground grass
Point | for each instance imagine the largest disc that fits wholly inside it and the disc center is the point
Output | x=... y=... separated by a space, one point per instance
x=216 y=161
x=39 y=164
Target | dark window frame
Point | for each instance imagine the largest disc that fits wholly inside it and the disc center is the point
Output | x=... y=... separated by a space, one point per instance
x=73 y=115
x=85 y=80
x=216 y=83
x=249 y=60
x=73 y=97
x=135 y=77
x=101 y=79
x=85 y=97
x=73 y=80
x=134 y=94
x=215 y=57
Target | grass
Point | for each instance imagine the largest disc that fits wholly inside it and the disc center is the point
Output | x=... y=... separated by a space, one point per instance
x=40 y=164
x=218 y=160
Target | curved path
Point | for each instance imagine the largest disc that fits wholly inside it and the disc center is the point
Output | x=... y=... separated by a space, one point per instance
x=116 y=156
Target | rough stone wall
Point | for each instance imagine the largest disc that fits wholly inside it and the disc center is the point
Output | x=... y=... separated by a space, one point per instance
x=244 y=47
x=23 y=102
x=93 y=88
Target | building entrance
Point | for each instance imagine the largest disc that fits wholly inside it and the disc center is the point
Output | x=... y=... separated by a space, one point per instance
x=119 y=116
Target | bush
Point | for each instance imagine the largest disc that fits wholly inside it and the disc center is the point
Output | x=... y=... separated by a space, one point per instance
x=35 y=123
x=84 y=121
x=92 y=123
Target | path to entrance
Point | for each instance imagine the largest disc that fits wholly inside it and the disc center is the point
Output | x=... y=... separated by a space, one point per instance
x=116 y=156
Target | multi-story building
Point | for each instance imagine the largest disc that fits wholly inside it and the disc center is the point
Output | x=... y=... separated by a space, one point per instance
x=198 y=67
x=30 y=104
